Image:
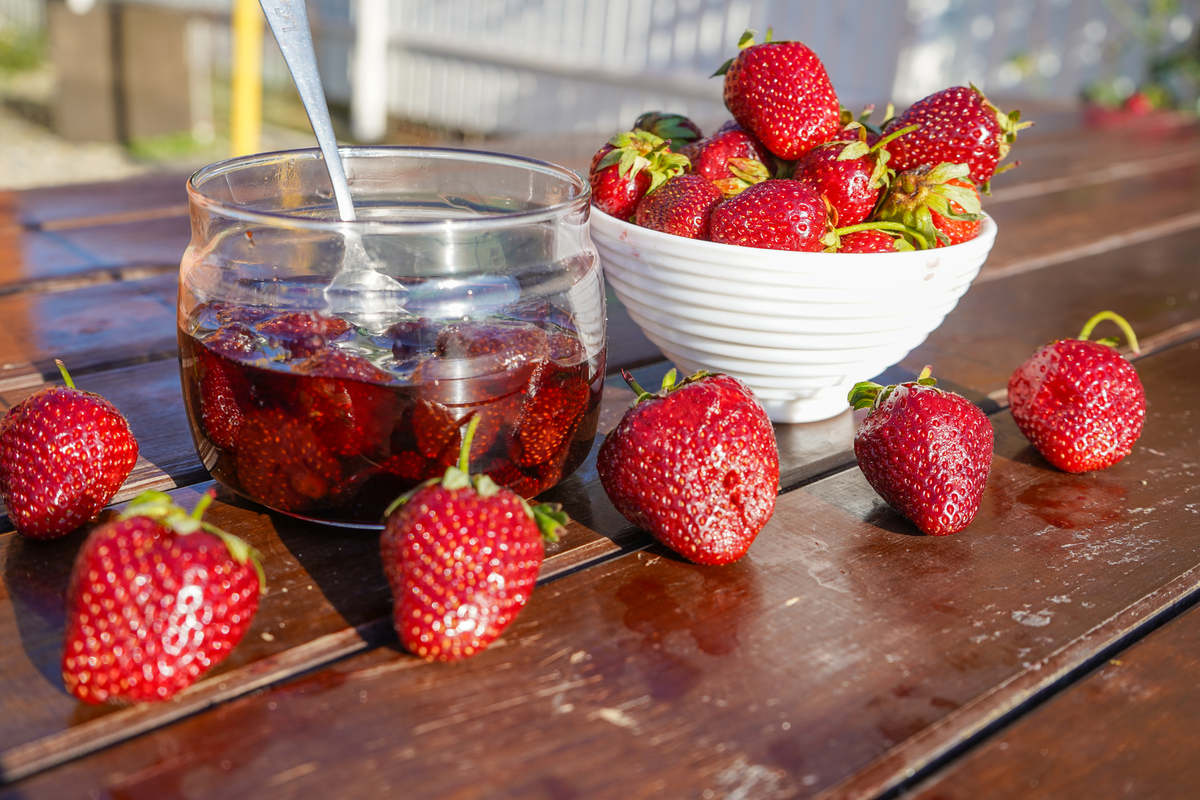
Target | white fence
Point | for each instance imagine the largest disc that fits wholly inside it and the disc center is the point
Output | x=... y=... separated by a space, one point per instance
x=492 y=66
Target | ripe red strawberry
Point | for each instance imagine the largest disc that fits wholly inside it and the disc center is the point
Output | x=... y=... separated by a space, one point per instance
x=775 y=215
x=958 y=126
x=302 y=333
x=675 y=128
x=780 y=92
x=730 y=158
x=851 y=173
x=926 y=451
x=921 y=194
x=461 y=556
x=345 y=402
x=681 y=206
x=696 y=465
x=1080 y=403
x=631 y=165
x=557 y=400
x=64 y=453
x=156 y=598
x=282 y=463
x=224 y=389
x=872 y=241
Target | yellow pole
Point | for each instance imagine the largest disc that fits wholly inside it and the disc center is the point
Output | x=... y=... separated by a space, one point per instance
x=246 y=103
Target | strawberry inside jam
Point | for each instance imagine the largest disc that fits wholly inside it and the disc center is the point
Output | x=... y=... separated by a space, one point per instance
x=311 y=416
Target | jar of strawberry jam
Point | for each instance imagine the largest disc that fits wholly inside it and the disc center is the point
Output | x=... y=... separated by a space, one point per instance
x=330 y=366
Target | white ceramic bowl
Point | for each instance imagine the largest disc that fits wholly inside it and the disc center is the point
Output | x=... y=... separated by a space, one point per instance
x=799 y=328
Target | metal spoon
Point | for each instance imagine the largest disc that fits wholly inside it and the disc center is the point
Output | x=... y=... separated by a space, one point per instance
x=358 y=292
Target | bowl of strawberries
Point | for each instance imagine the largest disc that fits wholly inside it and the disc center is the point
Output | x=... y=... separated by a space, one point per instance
x=797 y=247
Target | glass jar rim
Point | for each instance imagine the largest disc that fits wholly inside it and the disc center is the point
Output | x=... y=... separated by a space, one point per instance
x=198 y=197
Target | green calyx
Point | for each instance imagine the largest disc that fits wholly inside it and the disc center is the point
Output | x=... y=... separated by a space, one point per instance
x=673 y=127
x=1121 y=322
x=550 y=519
x=160 y=507
x=637 y=150
x=903 y=236
x=670 y=383
x=915 y=195
x=744 y=173
x=867 y=394
x=746 y=40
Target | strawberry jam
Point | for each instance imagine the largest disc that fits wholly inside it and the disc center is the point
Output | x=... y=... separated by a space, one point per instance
x=308 y=415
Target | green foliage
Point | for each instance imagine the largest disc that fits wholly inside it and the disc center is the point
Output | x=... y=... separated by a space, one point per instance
x=20 y=51
x=1172 y=62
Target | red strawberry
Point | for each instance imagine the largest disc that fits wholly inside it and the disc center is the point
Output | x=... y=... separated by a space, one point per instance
x=780 y=92
x=872 y=241
x=681 y=206
x=156 y=598
x=628 y=167
x=695 y=464
x=1078 y=402
x=283 y=464
x=958 y=126
x=436 y=430
x=960 y=228
x=224 y=389
x=919 y=195
x=775 y=215
x=730 y=158
x=302 y=333
x=675 y=128
x=851 y=173
x=926 y=451
x=345 y=402
x=64 y=453
x=461 y=556
x=556 y=401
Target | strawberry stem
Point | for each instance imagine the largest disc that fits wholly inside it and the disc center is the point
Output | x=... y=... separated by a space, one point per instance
x=1126 y=328
x=885 y=226
x=66 y=375
x=894 y=135
x=464 y=455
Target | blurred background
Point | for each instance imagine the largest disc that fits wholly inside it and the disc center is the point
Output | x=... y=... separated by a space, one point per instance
x=95 y=89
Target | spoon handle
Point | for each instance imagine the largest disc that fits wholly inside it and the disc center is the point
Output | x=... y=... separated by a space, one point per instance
x=289 y=22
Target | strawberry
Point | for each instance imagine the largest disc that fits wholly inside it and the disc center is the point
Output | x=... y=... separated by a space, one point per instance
x=774 y=215
x=461 y=556
x=631 y=165
x=730 y=158
x=849 y=172
x=344 y=401
x=926 y=451
x=1080 y=403
x=872 y=241
x=681 y=206
x=675 y=128
x=957 y=126
x=557 y=400
x=695 y=464
x=156 y=598
x=302 y=333
x=919 y=195
x=64 y=453
x=282 y=463
x=780 y=92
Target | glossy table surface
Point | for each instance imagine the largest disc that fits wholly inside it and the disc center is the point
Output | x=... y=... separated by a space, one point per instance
x=1045 y=651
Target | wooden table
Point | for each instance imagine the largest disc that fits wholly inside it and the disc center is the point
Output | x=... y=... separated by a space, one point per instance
x=1041 y=653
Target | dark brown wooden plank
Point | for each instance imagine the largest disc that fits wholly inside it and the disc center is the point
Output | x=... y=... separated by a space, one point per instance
x=842 y=653
x=998 y=324
x=1127 y=730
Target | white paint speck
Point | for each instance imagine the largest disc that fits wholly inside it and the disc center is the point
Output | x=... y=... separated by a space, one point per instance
x=1039 y=619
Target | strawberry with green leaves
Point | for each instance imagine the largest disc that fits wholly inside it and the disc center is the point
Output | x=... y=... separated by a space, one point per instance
x=64 y=453
x=1079 y=402
x=940 y=203
x=462 y=555
x=780 y=93
x=851 y=173
x=958 y=125
x=631 y=165
x=926 y=451
x=156 y=598
x=695 y=464
x=731 y=158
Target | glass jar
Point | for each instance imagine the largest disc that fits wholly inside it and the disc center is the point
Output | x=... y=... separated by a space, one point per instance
x=330 y=366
